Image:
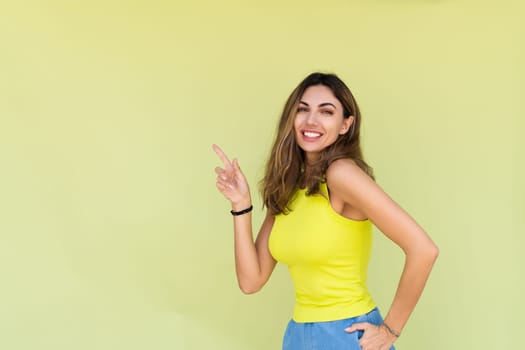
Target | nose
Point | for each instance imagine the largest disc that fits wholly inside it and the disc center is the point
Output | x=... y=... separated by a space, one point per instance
x=311 y=119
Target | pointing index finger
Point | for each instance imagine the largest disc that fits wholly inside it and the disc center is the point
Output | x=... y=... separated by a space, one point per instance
x=222 y=155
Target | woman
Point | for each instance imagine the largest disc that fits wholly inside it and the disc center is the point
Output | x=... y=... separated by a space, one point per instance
x=321 y=202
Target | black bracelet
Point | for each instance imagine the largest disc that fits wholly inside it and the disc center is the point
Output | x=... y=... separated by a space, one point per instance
x=240 y=212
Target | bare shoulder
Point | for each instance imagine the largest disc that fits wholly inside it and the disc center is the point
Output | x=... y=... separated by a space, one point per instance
x=343 y=172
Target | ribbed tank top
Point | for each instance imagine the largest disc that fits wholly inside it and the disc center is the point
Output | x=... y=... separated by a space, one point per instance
x=327 y=256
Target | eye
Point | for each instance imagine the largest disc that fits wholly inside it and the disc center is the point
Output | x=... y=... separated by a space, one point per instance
x=328 y=112
x=301 y=109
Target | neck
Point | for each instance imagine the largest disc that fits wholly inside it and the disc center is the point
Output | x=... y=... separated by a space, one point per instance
x=310 y=159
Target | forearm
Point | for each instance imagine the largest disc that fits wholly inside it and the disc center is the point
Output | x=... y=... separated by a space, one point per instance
x=412 y=282
x=247 y=265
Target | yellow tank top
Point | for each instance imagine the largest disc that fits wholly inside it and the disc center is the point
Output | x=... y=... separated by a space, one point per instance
x=327 y=256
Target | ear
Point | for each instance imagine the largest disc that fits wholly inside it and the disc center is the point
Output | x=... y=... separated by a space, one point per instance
x=347 y=123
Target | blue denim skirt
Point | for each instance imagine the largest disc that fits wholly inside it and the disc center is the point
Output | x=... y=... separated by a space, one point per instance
x=329 y=335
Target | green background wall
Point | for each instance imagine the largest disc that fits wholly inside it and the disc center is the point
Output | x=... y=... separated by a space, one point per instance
x=112 y=234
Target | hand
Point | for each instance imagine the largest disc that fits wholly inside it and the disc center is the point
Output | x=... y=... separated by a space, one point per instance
x=231 y=182
x=374 y=337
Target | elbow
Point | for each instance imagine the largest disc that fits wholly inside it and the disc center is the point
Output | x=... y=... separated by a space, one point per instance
x=249 y=288
x=433 y=252
x=424 y=253
x=248 y=291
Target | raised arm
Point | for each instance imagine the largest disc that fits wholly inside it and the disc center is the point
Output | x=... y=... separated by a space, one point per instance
x=358 y=190
x=253 y=261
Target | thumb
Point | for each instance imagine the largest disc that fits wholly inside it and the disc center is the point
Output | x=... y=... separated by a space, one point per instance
x=357 y=327
x=236 y=165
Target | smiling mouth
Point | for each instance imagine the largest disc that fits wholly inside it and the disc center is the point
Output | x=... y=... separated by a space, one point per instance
x=312 y=134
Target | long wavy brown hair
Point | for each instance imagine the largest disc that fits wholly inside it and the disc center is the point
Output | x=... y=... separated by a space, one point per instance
x=285 y=169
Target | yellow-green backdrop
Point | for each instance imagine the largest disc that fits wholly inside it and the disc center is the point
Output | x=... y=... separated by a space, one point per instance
x=112 y=234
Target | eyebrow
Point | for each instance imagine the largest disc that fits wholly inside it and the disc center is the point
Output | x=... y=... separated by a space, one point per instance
x=321 y=105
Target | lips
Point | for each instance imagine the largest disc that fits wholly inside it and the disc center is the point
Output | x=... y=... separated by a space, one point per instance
x=311 y=135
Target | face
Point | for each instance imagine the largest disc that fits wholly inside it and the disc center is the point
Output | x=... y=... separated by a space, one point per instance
x=319 y=121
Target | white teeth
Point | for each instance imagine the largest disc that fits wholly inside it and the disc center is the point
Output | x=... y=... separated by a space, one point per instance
x=311 y=134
